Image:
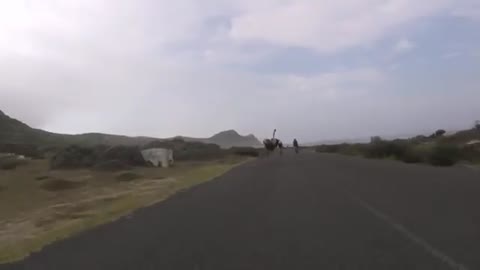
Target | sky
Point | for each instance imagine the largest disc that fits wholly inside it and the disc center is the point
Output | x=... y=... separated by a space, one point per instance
x=312 y=69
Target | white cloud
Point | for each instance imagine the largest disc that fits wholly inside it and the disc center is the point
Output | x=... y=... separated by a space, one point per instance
x=451 y=55
x=332 y=84
x=119 y=65
x=468 y=13
x=469 y=9
x=330 y=26
x=52 y=27
x=403 y=45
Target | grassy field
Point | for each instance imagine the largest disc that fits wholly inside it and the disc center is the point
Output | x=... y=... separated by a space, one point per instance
x=39 y=206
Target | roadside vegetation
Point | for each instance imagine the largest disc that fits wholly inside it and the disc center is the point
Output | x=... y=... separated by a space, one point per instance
x=60 y=191
x=437 y=149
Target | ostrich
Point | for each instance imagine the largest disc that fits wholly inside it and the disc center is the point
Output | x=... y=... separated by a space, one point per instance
x=273 y=143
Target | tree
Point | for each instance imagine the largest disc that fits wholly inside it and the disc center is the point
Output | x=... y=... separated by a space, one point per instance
x=477 y=125
x=440 y=133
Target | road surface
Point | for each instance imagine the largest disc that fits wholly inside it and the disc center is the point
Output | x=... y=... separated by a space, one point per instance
x=306 y=211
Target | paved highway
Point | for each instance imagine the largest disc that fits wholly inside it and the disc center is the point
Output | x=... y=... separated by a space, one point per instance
x=306 y=211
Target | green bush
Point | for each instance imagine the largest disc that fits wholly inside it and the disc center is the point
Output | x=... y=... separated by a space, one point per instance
x=386 y=149
x=444 y=155
x=199 y=151
x=11 y=163
x=411 y=155
x=440 y=133
x=245 y=151
x=74 y=156
x=199 y=154
x=124 y=157
x=101 y=157
x=328 y=148
x=470 y=154
x=352 y=149
x=129 y=155
x=162 y=144
x=344 y=148
x=188 y=151
x=28 y=150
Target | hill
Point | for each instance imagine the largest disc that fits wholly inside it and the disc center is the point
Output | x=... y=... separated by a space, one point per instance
x=227 y=139
x=13 y=131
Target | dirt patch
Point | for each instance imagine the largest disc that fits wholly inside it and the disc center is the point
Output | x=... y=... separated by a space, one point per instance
x=61 y=184
x=111 y=165
x=42 y=177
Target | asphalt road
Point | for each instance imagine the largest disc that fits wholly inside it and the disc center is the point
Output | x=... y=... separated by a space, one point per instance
x=306 y=211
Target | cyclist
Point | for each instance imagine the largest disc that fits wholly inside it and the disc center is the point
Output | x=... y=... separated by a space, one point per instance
x=295 y=145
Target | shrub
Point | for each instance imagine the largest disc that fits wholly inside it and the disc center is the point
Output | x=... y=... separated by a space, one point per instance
x=73 y=157
x=385 y=149
x=101 y=157
x=199 y=151
x=352 y=149
x=48 y=151
x=183 y=150
x=11 y=163
x=345 y=148
x=440 y=133
x=419 y=139
x=162 y=144
x=245 y=151
x=411 y=155
x=470 y=154
x=320 y=149
x=328 y=148
x=130 y=155
x=444 y=155
x=28 y=150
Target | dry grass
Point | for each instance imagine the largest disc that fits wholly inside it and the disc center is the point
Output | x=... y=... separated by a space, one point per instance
x=127 y=176
x=38 y=206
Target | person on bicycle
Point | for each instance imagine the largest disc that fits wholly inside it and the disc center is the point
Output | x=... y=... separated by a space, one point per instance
x=295 y=145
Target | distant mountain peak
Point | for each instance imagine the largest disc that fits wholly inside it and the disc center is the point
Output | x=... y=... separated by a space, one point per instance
x=230 y=132
x=229 y=138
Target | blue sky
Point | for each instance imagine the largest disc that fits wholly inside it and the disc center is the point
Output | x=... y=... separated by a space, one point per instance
x=313 y=69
